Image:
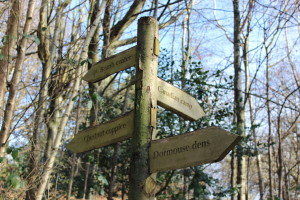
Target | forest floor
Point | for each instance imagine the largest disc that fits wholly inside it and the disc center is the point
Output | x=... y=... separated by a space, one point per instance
x=95 y=198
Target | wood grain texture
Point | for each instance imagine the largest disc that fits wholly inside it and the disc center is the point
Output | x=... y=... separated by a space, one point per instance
x=202 y=146
x=111 y=65
x=105 y=134
x=178 y=101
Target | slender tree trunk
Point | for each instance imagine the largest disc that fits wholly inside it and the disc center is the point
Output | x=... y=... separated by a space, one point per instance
x=106 y=51
x=185 y=58
x=116 y=156
x=74 y=164
x=297 y=179
x=74 y=167
x=239 y=103
x=93 y=90
x=269 y=126
x=93 y=54
x=257 y=154
x=280 y=159
x=184 y=53
x=11 y=36
x=44 y=55
x=74 y=91
x=172 y=54
x=55 y=187
x=233 y=173
x=13 y=89
x=286 y=192
x=145 y=108
x=113 y=172
x=87 y=170
x=252 y=120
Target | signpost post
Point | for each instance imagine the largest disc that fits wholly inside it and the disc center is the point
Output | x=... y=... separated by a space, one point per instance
x=145 y=106
x=202 y=146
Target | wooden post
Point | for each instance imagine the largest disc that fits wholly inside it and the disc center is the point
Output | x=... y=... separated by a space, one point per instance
x=145 y=107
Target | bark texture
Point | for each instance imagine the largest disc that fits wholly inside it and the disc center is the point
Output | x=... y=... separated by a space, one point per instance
x=10 y=39
x=145 y=107
x=13 y=89
x=74 y=91
x=239 y=102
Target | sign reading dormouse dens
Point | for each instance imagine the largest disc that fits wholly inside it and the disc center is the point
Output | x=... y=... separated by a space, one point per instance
x=190 y=149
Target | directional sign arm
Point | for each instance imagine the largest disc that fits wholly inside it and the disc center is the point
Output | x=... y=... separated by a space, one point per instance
x=178 y=101
x=111 y=65
x=202 y=146
x=107 y=133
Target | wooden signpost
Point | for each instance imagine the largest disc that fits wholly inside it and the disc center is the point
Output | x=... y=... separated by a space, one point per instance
x=190 y=149
x=178 y=101
x=202 y=146
x=105 y=134
x=111 y=65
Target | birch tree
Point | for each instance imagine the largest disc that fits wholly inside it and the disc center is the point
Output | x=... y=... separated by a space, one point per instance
x=14 y=82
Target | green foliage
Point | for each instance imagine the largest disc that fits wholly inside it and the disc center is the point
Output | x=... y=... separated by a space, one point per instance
x=295 y=188
x=207 y=88
x=33 y=38
x=12 y=167
x=276 y=198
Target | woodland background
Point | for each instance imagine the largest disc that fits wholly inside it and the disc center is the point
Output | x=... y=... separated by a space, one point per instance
x=240 y=59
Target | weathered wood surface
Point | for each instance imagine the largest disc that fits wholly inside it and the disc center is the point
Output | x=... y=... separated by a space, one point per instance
x=111 y=65
x=178 y=101
x=105 y=134
x=145 y=108
x=207 y=145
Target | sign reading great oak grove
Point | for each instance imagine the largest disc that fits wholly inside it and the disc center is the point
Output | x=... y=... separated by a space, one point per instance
x=111 y=65
x=107 y=133
x=178 y=101
x=202 y=146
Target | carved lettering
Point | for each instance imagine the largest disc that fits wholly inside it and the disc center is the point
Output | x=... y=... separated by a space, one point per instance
x=177 y=150
x=111 y=131
x=173 y=96
x=112 y=64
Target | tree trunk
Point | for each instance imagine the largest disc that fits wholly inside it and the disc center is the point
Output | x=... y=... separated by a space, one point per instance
x=280 y=159
x=145 y=108
x=13 y=89
x=44 y=55
x=93 y=54
x=270 y=174
x=7 y=49
x=74 y=168
x=87 y=170
x=74 y=91
x=257 y=154
x=116 y=156
x=239 y=103
x=74 y=164
x=233 y=173
x=113 y=172
x=252 y=120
